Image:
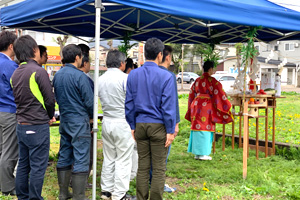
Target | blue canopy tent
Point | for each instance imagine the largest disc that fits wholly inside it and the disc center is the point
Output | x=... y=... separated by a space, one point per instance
x=176 y=21
x=189 y=21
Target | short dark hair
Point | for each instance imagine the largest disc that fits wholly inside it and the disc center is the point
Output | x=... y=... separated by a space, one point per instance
x=6 y=38
x=167 y=51
x=135 y=66
x=129 y=64
x=153 y=47
x=43 y=49
x=84 y=48
x=207 y=65
x=70 y=52
x=114 y=58
x=24 y=48
x=85 y=58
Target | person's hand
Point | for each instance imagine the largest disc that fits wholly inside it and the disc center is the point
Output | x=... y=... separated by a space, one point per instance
x=51 y=121
x=132 y=133
x=176 y=130
x=170 y=138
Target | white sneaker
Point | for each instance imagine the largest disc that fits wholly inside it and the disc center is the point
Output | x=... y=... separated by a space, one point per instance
x=205 y=158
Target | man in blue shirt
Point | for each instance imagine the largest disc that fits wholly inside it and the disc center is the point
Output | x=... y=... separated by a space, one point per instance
x=166 y=62
x=150 y=109
x=8 y=122
x=74 y=96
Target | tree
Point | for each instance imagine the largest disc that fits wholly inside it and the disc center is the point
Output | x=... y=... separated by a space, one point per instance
x=195 y=50
x=110 y=44
x=210 y=54
x=125 y=46
x=61 y=43
x=177 y=54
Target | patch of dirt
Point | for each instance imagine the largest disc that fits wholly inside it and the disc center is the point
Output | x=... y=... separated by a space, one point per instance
x=227 y=198
x=257 y=197
x=173 y=182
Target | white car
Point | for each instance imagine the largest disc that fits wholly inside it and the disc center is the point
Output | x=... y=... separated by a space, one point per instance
x=188 y=77
x=227 y=80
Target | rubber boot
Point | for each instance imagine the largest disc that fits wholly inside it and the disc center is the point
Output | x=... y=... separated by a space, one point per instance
x=64 y=177
x=78 y=185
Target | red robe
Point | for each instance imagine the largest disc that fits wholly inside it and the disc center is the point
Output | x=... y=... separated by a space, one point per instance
x=208 y=104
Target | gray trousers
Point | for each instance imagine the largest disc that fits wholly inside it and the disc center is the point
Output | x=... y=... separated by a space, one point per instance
x=135 y=160
x=8 y=151
x=117 y=152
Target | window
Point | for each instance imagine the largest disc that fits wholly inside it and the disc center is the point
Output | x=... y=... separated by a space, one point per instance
x=257 y=47
x=269 y=47
x=276 y=48
x=224 y=78
x=289 y=47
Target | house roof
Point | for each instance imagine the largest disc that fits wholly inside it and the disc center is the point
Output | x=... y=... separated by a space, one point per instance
x=275 y=62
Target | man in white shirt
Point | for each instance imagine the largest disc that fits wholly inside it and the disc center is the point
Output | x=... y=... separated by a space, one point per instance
x=116 y=134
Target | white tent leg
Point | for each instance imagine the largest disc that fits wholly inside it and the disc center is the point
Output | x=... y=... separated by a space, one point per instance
x=95 y=117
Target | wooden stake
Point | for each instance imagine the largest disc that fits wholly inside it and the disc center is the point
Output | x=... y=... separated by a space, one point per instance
x=257 y=125
x=245 y=142
x=266 y=133
x=214 y=143
x=248 y=138
x=240 y=132
x=232 y=133
x=273 y=136
x=223 y=138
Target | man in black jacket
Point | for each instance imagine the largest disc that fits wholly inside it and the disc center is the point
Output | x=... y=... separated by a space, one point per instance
x=35 y=109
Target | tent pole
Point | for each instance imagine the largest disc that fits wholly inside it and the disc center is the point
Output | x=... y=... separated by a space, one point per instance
x=98 y=5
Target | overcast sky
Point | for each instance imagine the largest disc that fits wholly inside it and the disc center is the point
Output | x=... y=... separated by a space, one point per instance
x=291 y=4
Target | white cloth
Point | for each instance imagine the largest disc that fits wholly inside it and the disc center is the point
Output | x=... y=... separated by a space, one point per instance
x=116 y=134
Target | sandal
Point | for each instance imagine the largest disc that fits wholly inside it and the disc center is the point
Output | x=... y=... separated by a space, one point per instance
x=168 y=189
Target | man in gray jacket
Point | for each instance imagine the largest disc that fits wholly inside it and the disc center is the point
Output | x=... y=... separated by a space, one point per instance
x=116 y=134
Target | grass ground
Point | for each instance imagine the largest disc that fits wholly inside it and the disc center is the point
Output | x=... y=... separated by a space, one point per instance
x=268 y=178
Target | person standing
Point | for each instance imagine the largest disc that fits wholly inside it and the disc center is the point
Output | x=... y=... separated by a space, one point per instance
x=166 y=62
x=43 y=55
x=85 y=67
x=74 y=96
x=35 y=109
x=150 y=109
x=8 y=121
x=116 y=134
x=207 y=105
x=129 y=66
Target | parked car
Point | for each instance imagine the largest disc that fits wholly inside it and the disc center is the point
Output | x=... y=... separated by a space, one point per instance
x=188 y=77
x=227 y=80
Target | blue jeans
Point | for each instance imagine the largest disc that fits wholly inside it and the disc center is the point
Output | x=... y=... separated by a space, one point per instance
x=75 y=139
x=34 y=143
